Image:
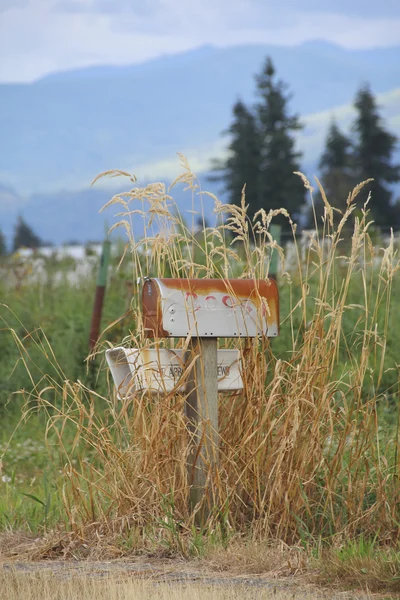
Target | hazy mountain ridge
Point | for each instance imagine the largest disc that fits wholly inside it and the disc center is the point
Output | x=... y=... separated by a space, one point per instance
x=62 y=130
x=381 y=57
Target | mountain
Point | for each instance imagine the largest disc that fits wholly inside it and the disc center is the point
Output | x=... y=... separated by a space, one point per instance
x=62 y=130
x=61 y=217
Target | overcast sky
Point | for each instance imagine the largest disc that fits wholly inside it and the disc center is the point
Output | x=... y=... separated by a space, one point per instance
x=41 y=36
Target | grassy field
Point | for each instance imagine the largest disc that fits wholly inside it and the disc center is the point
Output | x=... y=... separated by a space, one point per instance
x=309 y=451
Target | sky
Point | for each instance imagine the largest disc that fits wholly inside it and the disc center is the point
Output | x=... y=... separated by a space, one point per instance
x=38 y=37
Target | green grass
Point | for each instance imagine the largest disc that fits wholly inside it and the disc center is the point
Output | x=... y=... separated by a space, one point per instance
x=29 y=498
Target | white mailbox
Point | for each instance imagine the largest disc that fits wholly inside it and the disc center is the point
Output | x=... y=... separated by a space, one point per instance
x=159 y=370
x=210 y=307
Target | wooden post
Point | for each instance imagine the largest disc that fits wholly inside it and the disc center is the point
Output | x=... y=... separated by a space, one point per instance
x=202 y=412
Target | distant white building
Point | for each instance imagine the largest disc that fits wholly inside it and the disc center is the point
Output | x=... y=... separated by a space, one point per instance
x=75 y=251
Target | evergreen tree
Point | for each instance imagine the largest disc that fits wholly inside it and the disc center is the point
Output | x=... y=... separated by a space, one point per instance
x=337 y=177
x=278 y=186
x=373 y=157
x=337 y=154
x=242 y=165
x=24 y=237
x=3 y=246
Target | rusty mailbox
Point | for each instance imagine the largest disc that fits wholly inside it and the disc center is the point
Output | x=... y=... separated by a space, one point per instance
x=210 y=307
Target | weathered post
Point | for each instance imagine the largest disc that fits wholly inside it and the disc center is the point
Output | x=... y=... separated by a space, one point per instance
x=202 y=412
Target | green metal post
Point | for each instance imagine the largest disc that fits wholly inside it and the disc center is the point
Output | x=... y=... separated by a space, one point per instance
x=100 y=292
x=275 y=231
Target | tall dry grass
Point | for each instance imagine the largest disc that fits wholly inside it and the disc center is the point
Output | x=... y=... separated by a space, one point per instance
x=302 y=455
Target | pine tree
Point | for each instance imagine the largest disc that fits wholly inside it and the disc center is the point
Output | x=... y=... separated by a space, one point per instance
x=337 y=154
x=337 y=176
x=373 y=156
x=278 y=186
x=3 y=245
x=242 y=165
x=24 y=237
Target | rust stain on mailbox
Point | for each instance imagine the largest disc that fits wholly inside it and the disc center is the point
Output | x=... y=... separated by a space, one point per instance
x=210 y=307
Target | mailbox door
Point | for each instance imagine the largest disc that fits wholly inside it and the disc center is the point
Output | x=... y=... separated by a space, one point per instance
x=152 y=309
x=211 y=308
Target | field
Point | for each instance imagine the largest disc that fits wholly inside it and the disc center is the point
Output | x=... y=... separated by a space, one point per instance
x=309 y=453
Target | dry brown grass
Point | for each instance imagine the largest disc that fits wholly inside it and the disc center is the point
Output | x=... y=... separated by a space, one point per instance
x=276 y=559
x=300 y=457
x=47 y=585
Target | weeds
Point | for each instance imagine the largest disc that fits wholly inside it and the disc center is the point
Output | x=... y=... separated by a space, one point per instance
x=362 y=563
x=303 y=456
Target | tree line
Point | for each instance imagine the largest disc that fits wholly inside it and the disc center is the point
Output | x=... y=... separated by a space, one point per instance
x=24 y=237
x=263 y=156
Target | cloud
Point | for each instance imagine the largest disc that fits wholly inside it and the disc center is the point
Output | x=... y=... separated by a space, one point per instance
x=39 y=36
x=146 y=7
x=7 y=4
x=357 y=8
x=366 y=8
